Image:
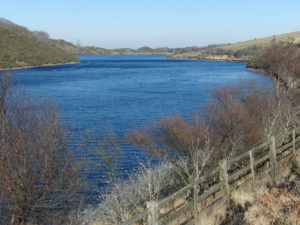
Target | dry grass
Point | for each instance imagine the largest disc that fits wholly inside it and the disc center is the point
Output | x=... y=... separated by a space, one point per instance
x=277 y=207
x=242 y=198
x=98 y=223
x=296 y=161
x=213 y=215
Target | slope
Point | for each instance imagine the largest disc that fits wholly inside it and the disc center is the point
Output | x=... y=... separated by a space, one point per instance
x=20 y=47
x=240 y=51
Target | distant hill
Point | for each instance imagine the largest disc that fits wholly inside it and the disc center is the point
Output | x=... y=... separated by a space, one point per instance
x=91 y=50
x=240 y=51
x=293 y=37
x=20 y=47
x=77 y=50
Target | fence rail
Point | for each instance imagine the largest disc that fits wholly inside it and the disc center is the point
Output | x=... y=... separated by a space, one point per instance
x=261 y=159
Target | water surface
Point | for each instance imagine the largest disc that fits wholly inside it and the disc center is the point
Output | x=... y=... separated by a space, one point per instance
x=126 y=92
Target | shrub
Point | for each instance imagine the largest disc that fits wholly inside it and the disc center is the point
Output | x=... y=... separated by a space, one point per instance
x=38 y=173
x=280 y=60
x=126 y=198
x=236 y=118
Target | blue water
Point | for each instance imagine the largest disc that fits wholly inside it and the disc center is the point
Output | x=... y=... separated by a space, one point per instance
x=127 y=92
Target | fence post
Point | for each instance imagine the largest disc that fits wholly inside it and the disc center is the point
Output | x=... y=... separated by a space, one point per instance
x=224 y=179
x=252 y=165
x=152 y=215
x=294 y=141
x=196 y=197
x=273 y=159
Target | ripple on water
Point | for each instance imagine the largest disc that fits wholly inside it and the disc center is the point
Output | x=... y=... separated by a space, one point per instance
x=126 y=92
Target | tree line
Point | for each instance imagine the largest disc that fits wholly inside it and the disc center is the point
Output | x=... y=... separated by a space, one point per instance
x=282 y=61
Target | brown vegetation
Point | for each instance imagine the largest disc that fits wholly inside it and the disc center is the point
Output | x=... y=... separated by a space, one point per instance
x=282 y=61
x=236 y=118
x=38 y=173
x=277 y=207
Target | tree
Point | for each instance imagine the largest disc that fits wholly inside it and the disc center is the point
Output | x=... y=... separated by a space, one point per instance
x=38 y=172
x=235 y=119
x=186 y=145
x=281 y=61
x=145 y=49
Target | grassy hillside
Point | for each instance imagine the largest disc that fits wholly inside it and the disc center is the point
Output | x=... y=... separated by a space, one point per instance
x=241 y=51
x=20 y=47
x=92 y=50
x=293 y=37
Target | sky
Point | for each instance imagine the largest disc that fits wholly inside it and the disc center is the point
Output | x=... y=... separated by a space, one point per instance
x=154 y=23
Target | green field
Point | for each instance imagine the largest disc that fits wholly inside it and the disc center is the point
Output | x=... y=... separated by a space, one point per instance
x=293 y=37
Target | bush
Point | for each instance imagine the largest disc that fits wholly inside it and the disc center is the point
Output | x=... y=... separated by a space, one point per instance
x=235 y=119
x=38 y=172
x=281 y=60
x=127 y=198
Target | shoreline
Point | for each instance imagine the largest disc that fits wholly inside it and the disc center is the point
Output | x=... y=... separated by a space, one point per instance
x=261 y=71
x=210 y=59
x=166 y=57
x=43 y=65
x=294 y=91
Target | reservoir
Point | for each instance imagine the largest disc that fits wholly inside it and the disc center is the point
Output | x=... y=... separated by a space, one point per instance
x=129 y=91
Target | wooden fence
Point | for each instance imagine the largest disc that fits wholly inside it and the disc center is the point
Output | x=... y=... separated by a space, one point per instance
x=184 y=205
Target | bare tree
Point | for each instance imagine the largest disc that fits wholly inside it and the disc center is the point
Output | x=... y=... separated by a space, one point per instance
x=236 y=118
x=280 y=60
x=128 y=197
x=187 y=146
x=38 y=173
x=235 y=115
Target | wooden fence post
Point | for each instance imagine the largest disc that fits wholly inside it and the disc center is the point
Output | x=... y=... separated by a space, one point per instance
x=273 y=158
x=224 y=179
x=294 y=141
x=152 y=216
x=196 y=197
x=252 y=165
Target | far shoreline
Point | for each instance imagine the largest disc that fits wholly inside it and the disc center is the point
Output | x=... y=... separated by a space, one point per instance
x=210 y=59
x=166 y=57
x=43 y=65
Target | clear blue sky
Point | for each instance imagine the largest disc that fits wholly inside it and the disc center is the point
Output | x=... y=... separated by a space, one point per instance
x=155 y=23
